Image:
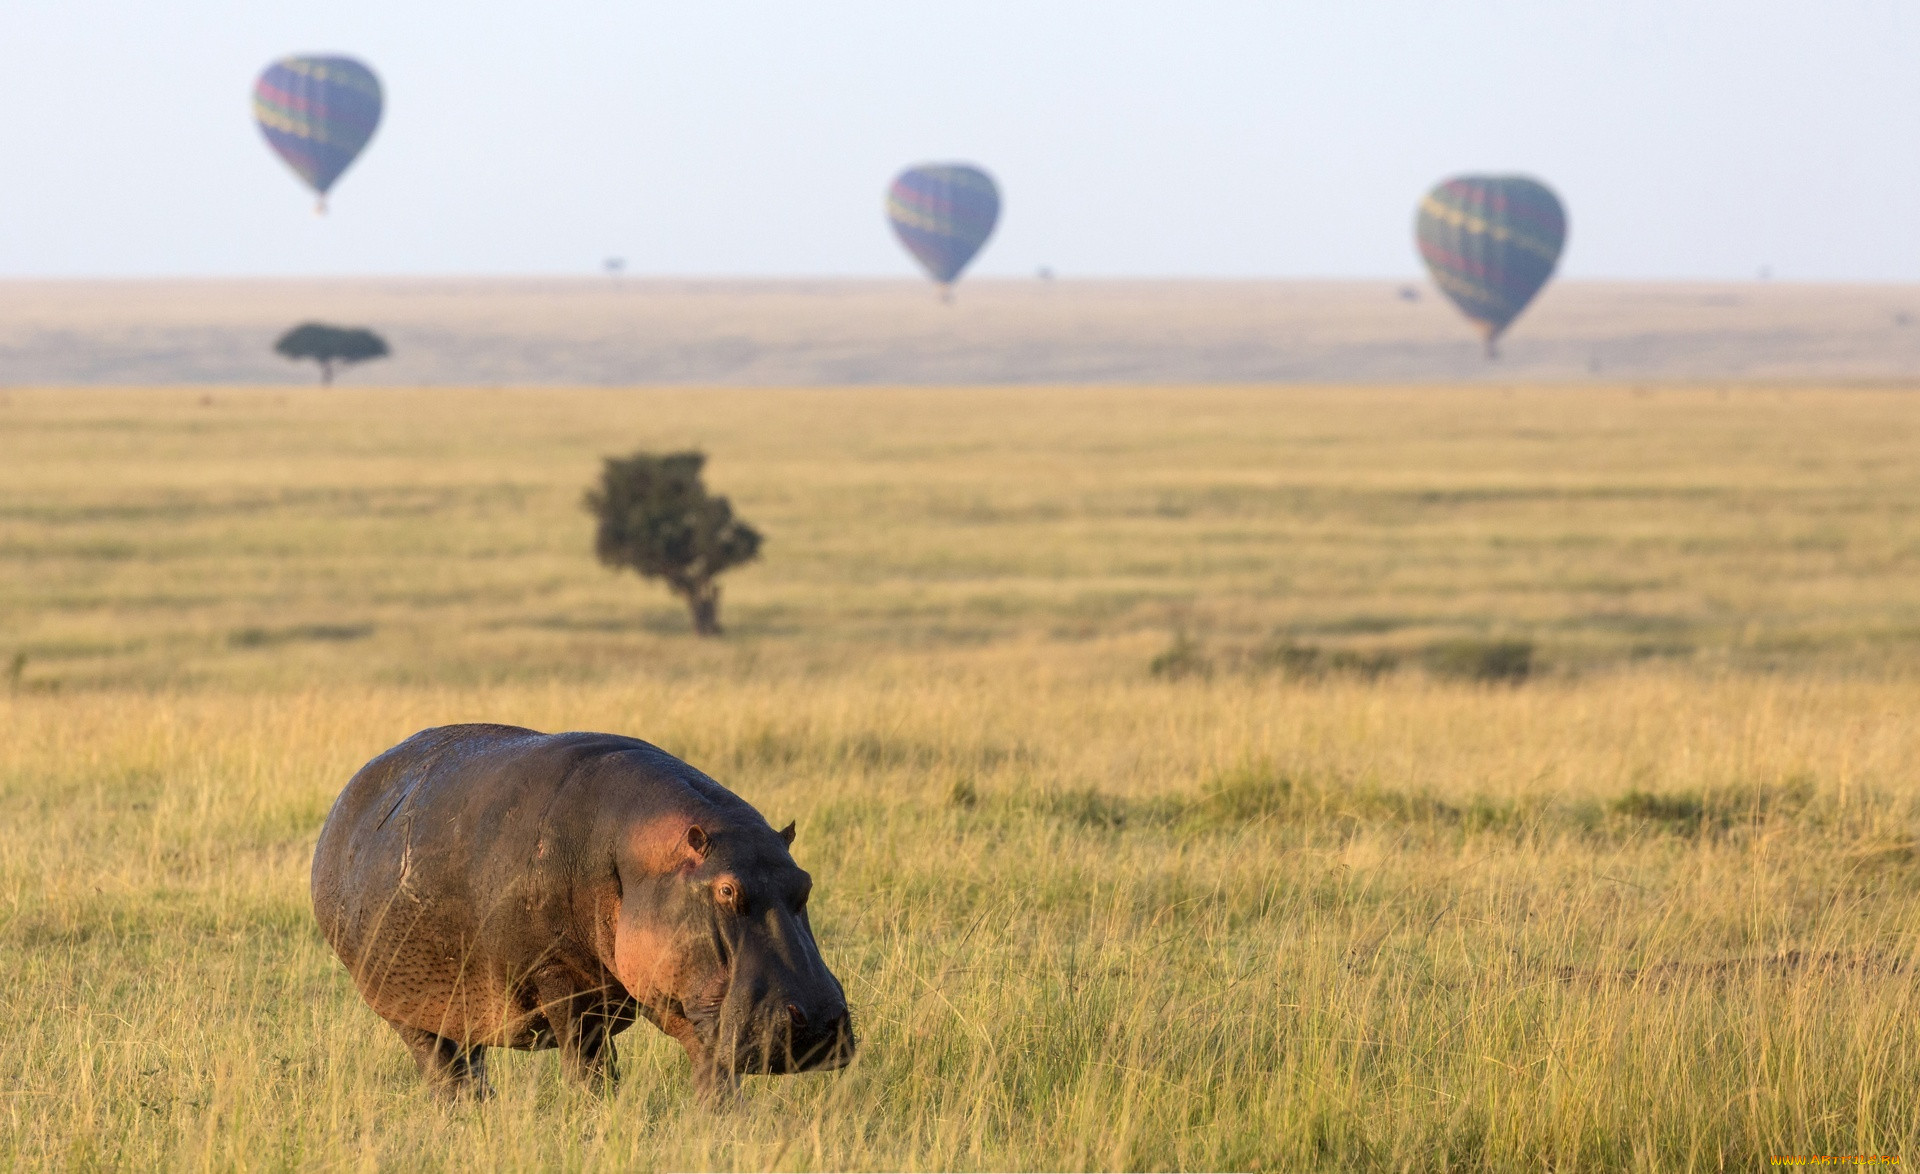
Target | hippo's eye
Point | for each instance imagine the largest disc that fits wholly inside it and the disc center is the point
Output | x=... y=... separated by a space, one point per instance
x=727 y=893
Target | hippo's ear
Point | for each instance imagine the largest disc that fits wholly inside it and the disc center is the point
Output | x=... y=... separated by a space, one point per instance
x=786 y=833
x=697 y=841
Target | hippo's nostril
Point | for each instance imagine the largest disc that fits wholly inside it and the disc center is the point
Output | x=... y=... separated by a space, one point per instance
x=836 y=1027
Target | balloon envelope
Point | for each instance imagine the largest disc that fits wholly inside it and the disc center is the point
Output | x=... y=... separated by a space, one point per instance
x=943 y=213
x=1491 y=242
x=318 y=113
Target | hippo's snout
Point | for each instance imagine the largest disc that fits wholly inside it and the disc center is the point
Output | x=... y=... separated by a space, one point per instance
x=829 y=1043
x=790 y=1039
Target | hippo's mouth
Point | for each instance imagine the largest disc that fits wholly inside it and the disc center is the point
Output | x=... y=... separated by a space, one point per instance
x=786 y=1053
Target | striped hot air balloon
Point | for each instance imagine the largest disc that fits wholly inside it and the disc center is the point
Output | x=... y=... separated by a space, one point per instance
x=1491 y=242
x=318 y=113
x=943 y=213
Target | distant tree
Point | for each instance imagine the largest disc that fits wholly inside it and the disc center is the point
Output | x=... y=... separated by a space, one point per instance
x=657 y=518
x=328 y=345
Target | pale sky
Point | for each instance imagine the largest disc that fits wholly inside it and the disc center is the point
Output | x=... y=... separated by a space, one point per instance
x=1201 y=138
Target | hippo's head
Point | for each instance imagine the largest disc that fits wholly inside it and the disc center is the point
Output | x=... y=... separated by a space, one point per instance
x=712 y=938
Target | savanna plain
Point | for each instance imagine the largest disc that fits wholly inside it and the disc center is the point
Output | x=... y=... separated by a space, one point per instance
x=1193 y=777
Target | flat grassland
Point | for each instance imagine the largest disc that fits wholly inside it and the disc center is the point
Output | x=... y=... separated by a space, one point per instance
x=472 y=331
x=1133 y=736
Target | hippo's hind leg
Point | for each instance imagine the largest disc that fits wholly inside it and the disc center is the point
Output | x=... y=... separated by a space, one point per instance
x=451 y=1068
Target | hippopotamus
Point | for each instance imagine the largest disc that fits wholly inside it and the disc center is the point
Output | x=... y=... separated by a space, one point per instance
x=491 y=886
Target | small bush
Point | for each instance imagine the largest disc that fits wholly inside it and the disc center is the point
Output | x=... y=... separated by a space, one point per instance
x=1506 y=662
x=267 y=637
x=1183 y=658
x=1682 y=813
x=1087 y=807
x=1362 y=664
x=1290 y=659
x=1718 y=809
x=657 y=519
x=1245 y=795
x=1310 y=662
x=1253 y=794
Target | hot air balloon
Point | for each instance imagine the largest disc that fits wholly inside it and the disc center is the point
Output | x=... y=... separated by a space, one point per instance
x=318 y=113
x=943 y=213
x=1491 y=242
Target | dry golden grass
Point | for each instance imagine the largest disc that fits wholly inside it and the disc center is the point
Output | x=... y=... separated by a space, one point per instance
x=1656 y=908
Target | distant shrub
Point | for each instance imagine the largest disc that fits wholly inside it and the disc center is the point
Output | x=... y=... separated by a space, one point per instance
x=1183 y=658
x=1288 y=658
x=1309 y=661
x=266 y=637
x=1681 y=813
x=658 y=520
x=328 y=345
x=1246 y=794
x=1488 y=661
x=1260 y=793
x=1186 y=657
x=1718 y=809
x=1088 y=807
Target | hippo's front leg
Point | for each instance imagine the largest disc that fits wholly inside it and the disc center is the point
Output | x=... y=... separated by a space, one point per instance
x=715 y=1083
x=583 y=1024
x=588 y=1053
x=451 y=1069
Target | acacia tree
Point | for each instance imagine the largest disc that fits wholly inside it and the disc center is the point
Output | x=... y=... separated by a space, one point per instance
x=657 y=518
x=328 y=345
